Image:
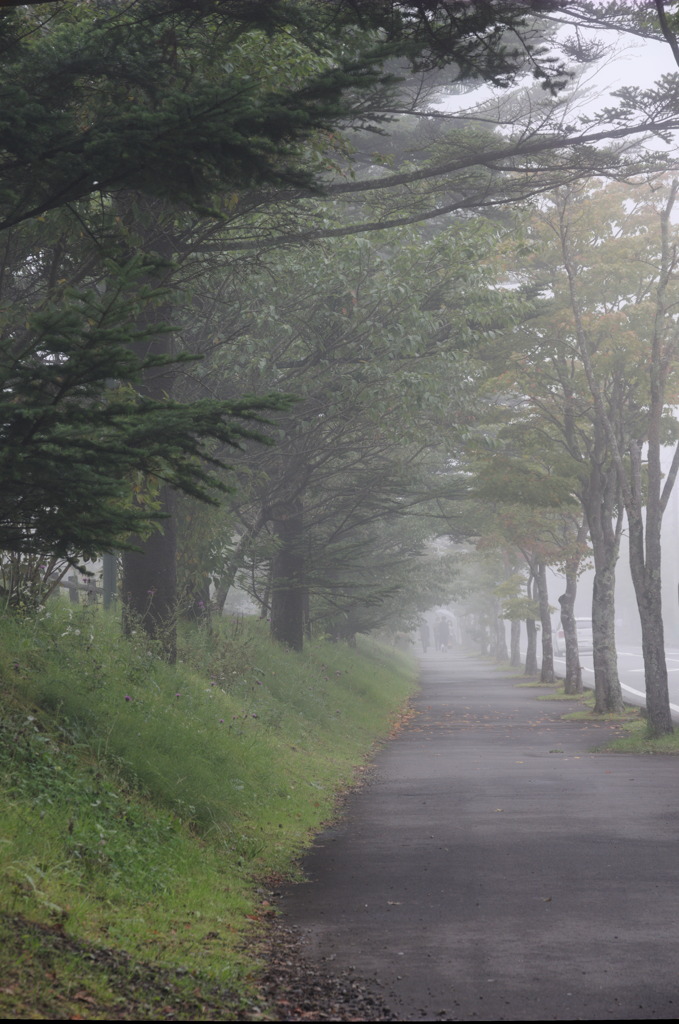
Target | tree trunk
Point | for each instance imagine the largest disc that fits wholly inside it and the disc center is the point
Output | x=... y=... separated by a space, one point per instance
x=531 y=667
x=607 y=691
x=645 y=567
x=501 y=652
x=149 y=588
x=655 y=665
x=573 y=680
x=547 y=666
x=601 y=500
x=149 y=583
x=515 y=643
x=287 y=588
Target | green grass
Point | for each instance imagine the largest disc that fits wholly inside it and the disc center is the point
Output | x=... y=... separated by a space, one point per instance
x=637 y=740
x=143 y=805
x=586 y=697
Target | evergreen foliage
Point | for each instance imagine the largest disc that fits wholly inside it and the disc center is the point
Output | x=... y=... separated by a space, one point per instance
x=73 y=450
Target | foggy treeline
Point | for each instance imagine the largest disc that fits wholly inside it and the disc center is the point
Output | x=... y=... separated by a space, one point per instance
x=288 y=311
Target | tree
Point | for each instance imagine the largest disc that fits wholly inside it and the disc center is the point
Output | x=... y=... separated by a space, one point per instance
x=599 y=373
x=172 y=108
x=550 y=395
x=159 y=97
x=73 y=452
x=653 y=320
x=528 y=488
x=575 y=537
x=104 y=100
x=374 y=364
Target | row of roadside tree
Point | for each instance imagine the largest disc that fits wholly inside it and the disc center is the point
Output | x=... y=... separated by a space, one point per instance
x=270 y=317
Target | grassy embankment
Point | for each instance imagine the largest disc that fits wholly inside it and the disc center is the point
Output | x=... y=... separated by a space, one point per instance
x=142 y=805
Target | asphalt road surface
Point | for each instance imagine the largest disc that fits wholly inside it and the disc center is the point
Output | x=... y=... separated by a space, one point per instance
x=631 y=672
x=493 y=868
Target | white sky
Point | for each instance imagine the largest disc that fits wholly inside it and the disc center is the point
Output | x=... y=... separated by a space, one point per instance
x=632 y=62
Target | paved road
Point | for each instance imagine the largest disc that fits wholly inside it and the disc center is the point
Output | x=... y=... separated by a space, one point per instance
x=631 y=672
x=494 y=869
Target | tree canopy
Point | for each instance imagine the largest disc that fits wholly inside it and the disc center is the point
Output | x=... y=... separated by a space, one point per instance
x=277 y=188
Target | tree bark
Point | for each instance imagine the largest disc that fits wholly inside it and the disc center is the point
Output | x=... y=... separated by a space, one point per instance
x=515 y=643
x=645 y=567
x=149 y=575
x=547 y=666
x=601 y=500
x=149 y=583
x=573 y=680
x=531 y=667
x=607 y=691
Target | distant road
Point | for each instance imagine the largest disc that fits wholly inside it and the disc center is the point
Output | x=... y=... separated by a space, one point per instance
x=631 y=671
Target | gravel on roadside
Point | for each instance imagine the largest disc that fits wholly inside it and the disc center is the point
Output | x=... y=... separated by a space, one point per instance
x=298 y=989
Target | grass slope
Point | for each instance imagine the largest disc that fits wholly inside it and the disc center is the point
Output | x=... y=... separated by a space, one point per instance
x=142 y=805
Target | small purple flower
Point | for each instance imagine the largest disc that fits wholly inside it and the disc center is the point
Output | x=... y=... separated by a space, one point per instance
x=221 y=721
x=127 y=697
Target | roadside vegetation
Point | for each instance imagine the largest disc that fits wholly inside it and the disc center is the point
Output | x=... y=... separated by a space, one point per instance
x=637 y=741
x=147 y=808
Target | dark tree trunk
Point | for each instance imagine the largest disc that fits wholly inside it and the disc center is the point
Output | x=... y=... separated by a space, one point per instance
x=573 y=680
x=308 y=629
x=607 y=691
x=602 y=501
x=149 y=583
x=287 y=587
x=531 y=667
x=149 y=576
x=547 y=666
x=645 y=567
x=515 y=643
